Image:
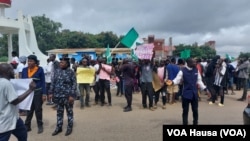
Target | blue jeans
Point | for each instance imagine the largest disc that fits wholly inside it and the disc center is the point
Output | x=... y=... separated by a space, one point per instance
x=20 y=132
x=84 y=91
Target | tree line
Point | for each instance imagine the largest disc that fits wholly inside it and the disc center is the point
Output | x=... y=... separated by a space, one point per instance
x=50 y=35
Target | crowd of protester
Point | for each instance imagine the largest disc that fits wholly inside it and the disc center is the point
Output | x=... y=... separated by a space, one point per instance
x=169 y=81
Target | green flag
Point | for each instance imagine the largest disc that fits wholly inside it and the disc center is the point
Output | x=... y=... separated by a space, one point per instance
x=134 y=56
x=188 y=53
x=228 y=57
x=185 y=54
x=129 y=39
x=108 y=55
x=182 y=54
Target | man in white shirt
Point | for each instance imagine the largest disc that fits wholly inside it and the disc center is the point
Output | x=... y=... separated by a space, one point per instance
x=10 y=122
x=21 y=65
x=14 y=57
x=47 y=72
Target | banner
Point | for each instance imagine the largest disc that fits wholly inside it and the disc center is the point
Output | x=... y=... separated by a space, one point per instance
x=85 y=75
x=129 y=39
x=21 y=86
x=144 y=51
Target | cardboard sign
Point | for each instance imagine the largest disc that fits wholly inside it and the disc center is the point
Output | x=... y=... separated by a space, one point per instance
x=144 y=51
x=85 y=75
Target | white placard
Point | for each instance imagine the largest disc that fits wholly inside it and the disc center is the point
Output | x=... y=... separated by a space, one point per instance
x=21 y=86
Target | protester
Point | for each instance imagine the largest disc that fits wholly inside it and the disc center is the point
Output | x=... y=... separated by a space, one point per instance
x=47 y=72
x=173 y=70
x=190 y=78
x=37 y=74
x=128 y=71
x=55 y=66
x=244 y=75
x=97 y=84
x=162 y=73
x=14 y=57
x=84 y=87
x=10 y=122
x=105 y=71
x=147 y=89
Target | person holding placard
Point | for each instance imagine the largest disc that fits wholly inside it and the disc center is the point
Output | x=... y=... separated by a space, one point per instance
x=84 y=87
x=10 y=122
x=146 y=83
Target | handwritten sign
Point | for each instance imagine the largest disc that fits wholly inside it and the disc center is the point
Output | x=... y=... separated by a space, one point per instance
x=85 y=75
x=144 y=51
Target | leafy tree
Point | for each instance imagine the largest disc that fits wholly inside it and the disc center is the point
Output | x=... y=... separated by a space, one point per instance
x=207 y=52
x=196 y=51
x=46 y=31
x=4 y=44
x=105 y=38
x=244 y=55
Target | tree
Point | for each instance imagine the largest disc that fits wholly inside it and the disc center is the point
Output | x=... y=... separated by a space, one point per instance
x=244 y=55
x=196 y=51
x=4 y=44
x=46 y=31
x=105 y=38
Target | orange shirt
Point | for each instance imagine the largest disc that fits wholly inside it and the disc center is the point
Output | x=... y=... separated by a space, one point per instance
x=31 y=72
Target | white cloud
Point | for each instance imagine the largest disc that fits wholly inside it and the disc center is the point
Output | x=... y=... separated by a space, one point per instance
x=186 y=21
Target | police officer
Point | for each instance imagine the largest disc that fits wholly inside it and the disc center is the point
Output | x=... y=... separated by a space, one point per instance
x=63 y=90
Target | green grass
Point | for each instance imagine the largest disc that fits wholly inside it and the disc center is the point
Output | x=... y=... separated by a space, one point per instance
x=3 y=59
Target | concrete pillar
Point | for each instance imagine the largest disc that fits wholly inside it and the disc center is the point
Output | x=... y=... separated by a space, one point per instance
x=10 y=47
x=2 y=12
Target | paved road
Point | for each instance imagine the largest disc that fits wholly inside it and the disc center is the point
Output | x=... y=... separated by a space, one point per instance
x=112 y=124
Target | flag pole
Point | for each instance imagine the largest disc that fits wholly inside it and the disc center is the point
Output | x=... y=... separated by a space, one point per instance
x=115 y=47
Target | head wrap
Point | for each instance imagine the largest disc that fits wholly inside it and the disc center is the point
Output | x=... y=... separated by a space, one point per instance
x=22 y=59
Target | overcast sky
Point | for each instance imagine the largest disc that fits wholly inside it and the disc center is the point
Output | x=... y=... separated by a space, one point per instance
x=186 y=21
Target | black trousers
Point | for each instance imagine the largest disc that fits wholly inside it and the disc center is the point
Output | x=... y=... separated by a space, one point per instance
x=129 y=94
x=105 y=86
x=119 y=87
x=218 y=92
x=185 y=108
x=36 y=106
x=163 y=92
x=238 y=83
x=147 y=90
x=97 y=91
